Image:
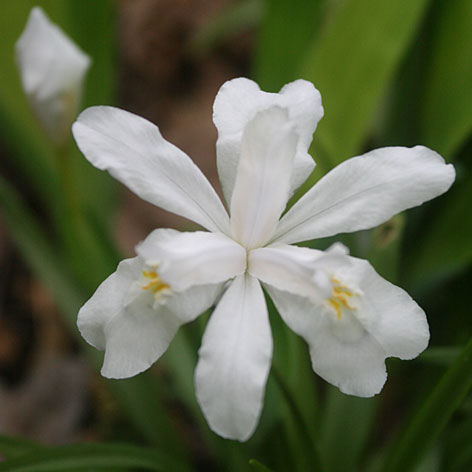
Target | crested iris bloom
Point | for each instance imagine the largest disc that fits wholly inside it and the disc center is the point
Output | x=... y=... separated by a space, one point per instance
x=52 y=70
x=351 y=318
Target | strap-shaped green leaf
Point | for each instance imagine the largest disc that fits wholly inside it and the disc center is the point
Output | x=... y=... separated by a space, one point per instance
x=139 y=396
x=285 y=31
x=90 y=457
x=447 y=246
x=258 y=466
x=446 y=113
x=11 y=446
x=433 y=416
x=352 y=63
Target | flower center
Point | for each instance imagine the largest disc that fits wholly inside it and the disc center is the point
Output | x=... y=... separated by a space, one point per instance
x=340 y=298
x=154 y=282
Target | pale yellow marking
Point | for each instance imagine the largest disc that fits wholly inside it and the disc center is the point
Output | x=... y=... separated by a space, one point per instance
x=155 y=284
x=340 y=297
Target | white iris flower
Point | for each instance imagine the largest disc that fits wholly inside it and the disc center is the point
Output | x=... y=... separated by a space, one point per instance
x=52 y=70
x=351 y=318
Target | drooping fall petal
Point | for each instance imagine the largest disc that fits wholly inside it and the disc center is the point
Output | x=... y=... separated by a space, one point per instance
x=365 y=320
x=234 y=361
x=127 y=321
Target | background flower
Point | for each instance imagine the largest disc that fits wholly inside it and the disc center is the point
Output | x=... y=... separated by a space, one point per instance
x=52 y=70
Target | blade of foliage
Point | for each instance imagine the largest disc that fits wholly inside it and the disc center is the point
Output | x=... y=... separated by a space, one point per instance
x=258 y=466
x=443 y=356
x=31 y=153
x=385 y=245
x=447 y=246
x=446 y=116
x=433 y=415
x=352 y=62
x=458 y=455
x=310 y=449
x=235 y=18
x=39 y=253
x=293 y=397
x=11 y=447
x=285 y=30
x=142 y=398
x=92 y=456
x=92 y=24
x=345 y=427
x=31 y=156
x=139 y=396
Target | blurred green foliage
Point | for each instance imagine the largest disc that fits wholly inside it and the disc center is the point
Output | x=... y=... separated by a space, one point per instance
x=390 y=73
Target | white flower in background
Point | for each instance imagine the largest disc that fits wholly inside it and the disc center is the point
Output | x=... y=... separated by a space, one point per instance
x=351 y=318
x=52 y=70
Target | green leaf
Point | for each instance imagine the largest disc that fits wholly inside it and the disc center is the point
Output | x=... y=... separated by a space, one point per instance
x=92 y=456
x=352 y=63
x=92 y=24
x=139 y=396
x=446 y=247
x=30 y=151
x=446 y=117
x=385 y=245
x=432 y=417
x=39 y=253
x=258 y=466
x=345 y=427
x=308 y=452
x=285 y=30
x=458 y=453
x=13 y=447
x=233 y=19
x=442 y=356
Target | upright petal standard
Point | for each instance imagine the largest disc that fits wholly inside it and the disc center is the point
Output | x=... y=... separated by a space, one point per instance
x=350 y=317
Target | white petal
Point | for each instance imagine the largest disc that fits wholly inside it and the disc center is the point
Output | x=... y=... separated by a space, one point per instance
x=133 y=329
x=291 y=268
x=395 y=320
x=237 y=103
x=365 y=191
x=263 y=176
x=52 y=70
x=234 y=361
x=142 y=331
x=349 y=352
x=187 y=259
x=356 y=368
x=133 y=150
x=107 y=301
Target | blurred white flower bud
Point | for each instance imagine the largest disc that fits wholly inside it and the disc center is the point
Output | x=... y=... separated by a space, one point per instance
x=52 y=70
